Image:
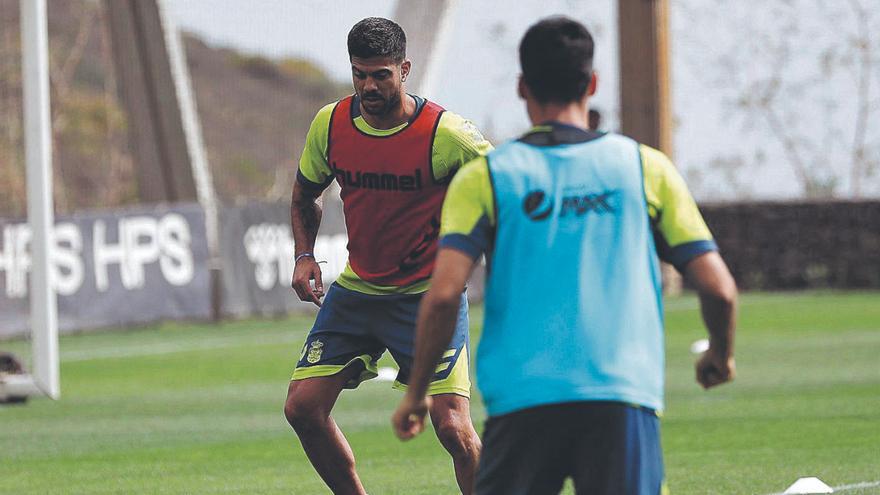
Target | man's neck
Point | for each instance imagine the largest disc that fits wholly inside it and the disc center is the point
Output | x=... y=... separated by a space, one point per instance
x=574 y=114
x=398 y=115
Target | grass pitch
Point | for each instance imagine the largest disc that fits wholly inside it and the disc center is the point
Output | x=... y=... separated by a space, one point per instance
x=197 y=409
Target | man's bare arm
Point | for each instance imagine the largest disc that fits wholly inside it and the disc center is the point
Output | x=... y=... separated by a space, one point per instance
x=305 y=218
x=435 y=327
x=718 y=296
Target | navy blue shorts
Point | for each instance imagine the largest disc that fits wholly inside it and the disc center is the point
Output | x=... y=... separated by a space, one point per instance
x=607 y=448
x=355 y=329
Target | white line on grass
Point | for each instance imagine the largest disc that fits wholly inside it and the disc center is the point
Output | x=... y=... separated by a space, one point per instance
x=856 y=486
x=171 y=348
x=843 y=488
x=687 y=303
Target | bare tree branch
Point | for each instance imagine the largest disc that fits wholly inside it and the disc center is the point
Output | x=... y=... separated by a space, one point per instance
x=863 y=109
x=64 y=75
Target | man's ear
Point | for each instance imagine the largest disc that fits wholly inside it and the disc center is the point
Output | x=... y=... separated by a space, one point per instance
x=594 y=81
x=404 y=69
x=522 y=89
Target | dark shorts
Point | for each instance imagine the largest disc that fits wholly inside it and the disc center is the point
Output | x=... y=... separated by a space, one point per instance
x=607 y=448
x=353 y=329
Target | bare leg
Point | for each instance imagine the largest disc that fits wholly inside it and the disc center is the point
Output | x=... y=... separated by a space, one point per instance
x=307 y=409
x=451 y=415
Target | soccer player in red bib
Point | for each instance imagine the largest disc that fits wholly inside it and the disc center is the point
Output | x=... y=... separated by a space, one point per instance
x=393 y=155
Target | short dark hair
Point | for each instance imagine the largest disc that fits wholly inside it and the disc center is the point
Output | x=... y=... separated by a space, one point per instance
x=556 y=56
x=377 y=37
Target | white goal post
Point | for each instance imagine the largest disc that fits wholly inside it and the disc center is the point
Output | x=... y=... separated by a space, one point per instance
x=45 y=373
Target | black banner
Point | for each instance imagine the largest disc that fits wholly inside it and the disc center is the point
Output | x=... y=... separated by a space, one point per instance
x=112 y=268
x=145 y=264
x=257 y=257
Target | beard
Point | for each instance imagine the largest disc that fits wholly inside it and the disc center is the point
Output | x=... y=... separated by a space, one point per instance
x=388 y=104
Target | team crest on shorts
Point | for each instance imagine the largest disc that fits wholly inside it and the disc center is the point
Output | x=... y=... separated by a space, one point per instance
x=316 y=348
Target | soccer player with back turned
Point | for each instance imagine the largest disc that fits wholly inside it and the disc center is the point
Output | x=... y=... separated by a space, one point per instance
x=572 y=221
x=393 y=155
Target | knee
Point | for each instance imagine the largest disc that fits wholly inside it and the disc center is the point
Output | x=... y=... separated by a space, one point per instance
x=456 y=436
x=301 y=415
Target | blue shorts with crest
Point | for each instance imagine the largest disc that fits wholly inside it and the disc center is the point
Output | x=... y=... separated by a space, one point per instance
x=353 y=329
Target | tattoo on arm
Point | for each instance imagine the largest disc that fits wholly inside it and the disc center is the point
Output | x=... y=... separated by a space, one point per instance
x=305 y=218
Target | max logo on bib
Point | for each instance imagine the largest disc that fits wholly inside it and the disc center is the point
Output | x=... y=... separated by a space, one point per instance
x=538 y=205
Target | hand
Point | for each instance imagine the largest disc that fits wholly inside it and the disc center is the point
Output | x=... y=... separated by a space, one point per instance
x=715 y=368
x=409 y=418
x=306 y=270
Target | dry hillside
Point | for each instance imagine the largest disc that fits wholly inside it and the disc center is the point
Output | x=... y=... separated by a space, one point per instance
x=254 y=114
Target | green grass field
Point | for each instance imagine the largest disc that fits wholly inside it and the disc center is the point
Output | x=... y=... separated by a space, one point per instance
x=184 y=408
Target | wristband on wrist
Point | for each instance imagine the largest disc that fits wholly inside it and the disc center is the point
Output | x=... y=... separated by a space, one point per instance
x=303 y=255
